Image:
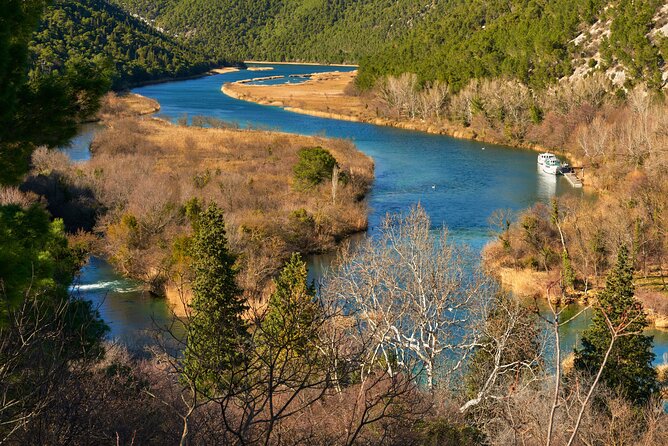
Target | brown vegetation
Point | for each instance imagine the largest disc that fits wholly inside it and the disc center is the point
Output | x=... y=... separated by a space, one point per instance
x=117 y=105
x=322 y=94
x=145 y=172
x=367 y=376
x=497 y=111
x=351 y=369
x=624 y=150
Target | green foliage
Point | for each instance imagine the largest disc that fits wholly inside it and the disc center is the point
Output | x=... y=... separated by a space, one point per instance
x=289 y=322
x=19 y=18
x=42 y=106
x=453 y=41
x=629 y=368
x=94 y=28
x=315 y=165
x=536 y=114
x=629 y=43
x=464 y=39
x=33 y=253
x=58 y=101
x=216 y=330
x=43 y=329
x=300 y=217
x=192 y=210
x=567 y=272
x=37 y=265
x=322 y=30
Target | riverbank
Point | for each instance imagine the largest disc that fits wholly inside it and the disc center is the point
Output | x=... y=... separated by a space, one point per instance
x=581 y=138
x=208 y=72
x=145 y=172
x=408 y=164
x=125 y=105
x=264 y=62
x=332 y=95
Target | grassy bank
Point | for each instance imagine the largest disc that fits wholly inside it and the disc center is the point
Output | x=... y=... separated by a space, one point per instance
x=146 y=174
x=334 y=95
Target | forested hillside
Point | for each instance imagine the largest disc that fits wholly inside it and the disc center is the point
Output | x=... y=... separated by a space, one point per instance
x=530 y=40
x=313 y=30
x=525 y=39
x=90 y=28
x=449 y=40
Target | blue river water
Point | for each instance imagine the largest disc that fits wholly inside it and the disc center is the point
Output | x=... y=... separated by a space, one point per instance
x=460 y=183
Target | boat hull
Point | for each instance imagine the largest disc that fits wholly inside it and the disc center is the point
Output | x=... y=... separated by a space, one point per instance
x=550 y=170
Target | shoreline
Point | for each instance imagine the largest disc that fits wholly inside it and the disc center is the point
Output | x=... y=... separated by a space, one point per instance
x=264 y=62
x=162 y=80
x=164 y=133
x=458 y=132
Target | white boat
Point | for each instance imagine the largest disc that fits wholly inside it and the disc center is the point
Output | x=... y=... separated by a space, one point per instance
x=544 y=157
x=552 y=166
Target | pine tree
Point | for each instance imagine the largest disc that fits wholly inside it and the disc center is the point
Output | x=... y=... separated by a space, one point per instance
x=216 y=330
x=289 y=323
x=629 y=367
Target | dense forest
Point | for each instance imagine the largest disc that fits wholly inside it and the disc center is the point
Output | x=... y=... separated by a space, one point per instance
x=95 y=28
x=452 y=41
x=316 y=30
x=528 y=40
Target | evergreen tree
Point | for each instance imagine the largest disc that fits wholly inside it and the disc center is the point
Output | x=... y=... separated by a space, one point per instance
x=216 y=330
x=629 y=368
x=286 y=353
x=40 y=105
x=292 y=311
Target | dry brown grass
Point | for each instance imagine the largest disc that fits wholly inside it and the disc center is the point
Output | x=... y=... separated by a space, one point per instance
x=13 y=196
x=327 y=93
x=654 y=299
x=655 y=302
x=144 y=171
x=117 y=105
x=525 y=282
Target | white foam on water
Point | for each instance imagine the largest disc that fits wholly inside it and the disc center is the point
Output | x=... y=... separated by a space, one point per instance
x=116 y=286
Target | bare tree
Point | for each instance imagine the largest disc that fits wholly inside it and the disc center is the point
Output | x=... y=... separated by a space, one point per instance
x=556 y=322
x=510 y=351
x=400 y=94
x=594 y=140
x=411 y=291
x=38 y=348
x=279 y=381
x=432 y=100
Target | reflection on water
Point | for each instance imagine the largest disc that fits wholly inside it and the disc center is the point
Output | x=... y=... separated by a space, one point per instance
x=570 y=334
x=320 y=264
x=546 y=185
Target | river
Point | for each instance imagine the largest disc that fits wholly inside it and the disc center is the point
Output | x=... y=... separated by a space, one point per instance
x=460 y=183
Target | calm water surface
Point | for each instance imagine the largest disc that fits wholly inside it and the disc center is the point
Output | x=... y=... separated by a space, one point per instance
x=459 y=183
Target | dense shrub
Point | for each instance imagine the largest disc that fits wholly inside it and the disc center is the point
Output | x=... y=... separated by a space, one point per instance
x=314 y=166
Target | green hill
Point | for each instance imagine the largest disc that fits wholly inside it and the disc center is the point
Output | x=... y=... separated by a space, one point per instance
x=451 y=40
x=296 y=30
x=140 y=52
x=525 y=39
x=531 y=40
